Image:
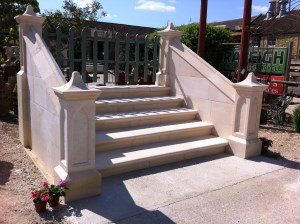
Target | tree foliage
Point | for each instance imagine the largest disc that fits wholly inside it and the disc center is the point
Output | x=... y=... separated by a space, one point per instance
x=12 y=8
x=215 y=36
x=8 y=25
x=71 y=15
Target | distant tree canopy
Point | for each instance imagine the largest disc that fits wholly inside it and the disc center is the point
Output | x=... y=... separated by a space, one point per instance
x=215 y=36
x=8 y=25
x=71 y=15
x=12 y=8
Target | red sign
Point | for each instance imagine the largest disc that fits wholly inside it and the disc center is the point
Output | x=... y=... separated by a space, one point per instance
x=274 y=88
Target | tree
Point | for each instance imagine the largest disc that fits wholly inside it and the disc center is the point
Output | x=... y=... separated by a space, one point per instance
x=8 y=25
x=215 y=36
x=12 y=8
x=72 y=15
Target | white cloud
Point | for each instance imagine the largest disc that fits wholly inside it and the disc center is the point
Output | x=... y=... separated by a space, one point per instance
x=154 y=6
x=260 y=9
x=83 y=3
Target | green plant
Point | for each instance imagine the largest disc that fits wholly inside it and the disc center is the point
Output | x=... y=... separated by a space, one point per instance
x=49 y=192
x=214 y=39
x=296 y=118
x=266 y=143
x=57 y=190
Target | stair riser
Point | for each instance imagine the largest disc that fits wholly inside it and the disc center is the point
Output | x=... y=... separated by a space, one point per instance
x=152 y=138
x=161 y=160
x=132 y=94
x=141 y=121
x=105 y=108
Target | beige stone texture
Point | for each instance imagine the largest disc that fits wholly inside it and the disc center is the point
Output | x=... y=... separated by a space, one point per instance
x=59 y=130
x=283 y=41
x=234 y=109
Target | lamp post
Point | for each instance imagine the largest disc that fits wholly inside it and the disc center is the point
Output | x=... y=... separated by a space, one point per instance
x=202 y=29
x=243 y=60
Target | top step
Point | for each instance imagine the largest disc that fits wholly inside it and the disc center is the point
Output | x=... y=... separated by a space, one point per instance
x=131 y=91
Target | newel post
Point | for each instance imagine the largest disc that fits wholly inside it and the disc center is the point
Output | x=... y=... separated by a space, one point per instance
x=77 y=128
x=244 y=141
x=26 y=21
x=166 y=37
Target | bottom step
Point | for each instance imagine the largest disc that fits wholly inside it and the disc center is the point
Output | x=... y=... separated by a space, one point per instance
x=135 y=158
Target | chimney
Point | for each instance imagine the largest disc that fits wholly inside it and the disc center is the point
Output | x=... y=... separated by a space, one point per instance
x=272 y=10
x=282 y=11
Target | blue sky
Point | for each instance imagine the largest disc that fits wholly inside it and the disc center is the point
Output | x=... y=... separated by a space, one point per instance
x=156 y=13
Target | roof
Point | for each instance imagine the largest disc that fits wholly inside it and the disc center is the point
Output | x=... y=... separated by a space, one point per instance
x=234 y=24
x=122 y=29
x=288 y=24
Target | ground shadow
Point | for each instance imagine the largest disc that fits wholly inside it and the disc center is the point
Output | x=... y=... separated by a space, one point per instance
x=59 y=213
x=5 y=171
x=9 y=118
x=277 y=159
x=116 y=203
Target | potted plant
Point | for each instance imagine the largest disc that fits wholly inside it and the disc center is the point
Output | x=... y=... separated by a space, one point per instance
x=40 y=198
x=56 y=191
x=266 y=143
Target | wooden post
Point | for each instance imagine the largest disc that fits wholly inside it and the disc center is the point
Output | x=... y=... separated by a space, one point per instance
x=287 y=69
x=202 y=29
x=243 y=60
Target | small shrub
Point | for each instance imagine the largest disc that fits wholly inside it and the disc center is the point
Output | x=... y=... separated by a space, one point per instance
x=296 y=118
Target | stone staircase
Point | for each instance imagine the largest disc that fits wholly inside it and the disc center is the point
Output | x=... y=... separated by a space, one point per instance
x=143 y=126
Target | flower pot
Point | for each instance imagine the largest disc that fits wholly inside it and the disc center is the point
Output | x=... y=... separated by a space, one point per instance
x=54 y=202
x=40 y=207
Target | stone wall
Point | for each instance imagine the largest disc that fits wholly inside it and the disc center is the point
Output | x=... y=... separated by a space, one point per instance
x=283 y=41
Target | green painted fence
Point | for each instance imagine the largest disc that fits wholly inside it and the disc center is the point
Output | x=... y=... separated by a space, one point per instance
x=120 y=58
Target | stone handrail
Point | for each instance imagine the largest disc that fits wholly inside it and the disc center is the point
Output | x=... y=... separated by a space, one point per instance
x=234 y=109
x=56 y=119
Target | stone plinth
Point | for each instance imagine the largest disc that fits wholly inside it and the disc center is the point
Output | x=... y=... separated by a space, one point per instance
x=166 y=37
x=77 y=162
x=244 y=141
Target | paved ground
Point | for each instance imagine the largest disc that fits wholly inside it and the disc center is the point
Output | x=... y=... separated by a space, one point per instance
x=215 y=189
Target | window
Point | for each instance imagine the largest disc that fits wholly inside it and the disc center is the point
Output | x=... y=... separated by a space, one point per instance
x=256 y=42
x=271 y=41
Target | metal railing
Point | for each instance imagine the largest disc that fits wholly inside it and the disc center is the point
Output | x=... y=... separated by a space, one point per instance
x=105 y=58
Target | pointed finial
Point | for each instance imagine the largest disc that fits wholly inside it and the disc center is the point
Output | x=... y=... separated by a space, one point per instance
x=250 y=82
x=170 y=27
x=29 y=11
x=76 y=82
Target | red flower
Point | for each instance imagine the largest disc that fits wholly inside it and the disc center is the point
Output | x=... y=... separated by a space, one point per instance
x=34 y=194
x=46 y=185
x=45 y=197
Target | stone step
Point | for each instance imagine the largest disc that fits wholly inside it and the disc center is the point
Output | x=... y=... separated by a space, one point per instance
x=131 y=91
x=136 y=104
x=130 y=137
x=135 y=158
x=108 y=121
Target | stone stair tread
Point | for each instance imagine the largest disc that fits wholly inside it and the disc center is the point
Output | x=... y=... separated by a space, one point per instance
x=133 y=132
x=143 y=113
x=106 y=160
x=137 y=100
x=129 y=87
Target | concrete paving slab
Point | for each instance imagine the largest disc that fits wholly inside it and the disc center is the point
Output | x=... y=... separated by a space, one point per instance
x=214 y=189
